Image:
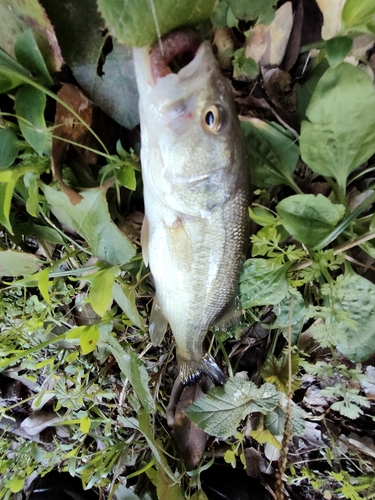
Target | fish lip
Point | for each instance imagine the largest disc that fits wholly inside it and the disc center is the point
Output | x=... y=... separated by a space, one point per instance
x=171 y=45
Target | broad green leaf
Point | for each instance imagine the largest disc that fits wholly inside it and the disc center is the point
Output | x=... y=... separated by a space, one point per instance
x=100 y=295
x=30 y=105
x=199 y=495
x=306 y=91
x=134 y=370
x=263 y=10
x=22 y=16
x=28 y=54
x=220 y=412
x=356 y=297
x=90 y=218
x=40 y=232
x=262 y=216
x=309 y=218
x=358 y=14
x=273 y=153
x=125 y=298
x=126 y=177
x=14 y=263
x=262 y=283
x=9 y=147
x=44 y=283
x=337 y=49
x=138 y=22
x=12 y=74
x=16 y=484
x=338 y=122
x=85 y=424
x=88 y=336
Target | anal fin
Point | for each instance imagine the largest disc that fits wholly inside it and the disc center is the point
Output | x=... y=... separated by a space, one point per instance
x=145 y=239
x=158 y=324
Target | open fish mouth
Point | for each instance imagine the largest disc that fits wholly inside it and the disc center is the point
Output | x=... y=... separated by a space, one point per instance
x=174 y=51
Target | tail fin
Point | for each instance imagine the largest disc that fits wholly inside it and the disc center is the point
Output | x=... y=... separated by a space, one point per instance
x=191 y=371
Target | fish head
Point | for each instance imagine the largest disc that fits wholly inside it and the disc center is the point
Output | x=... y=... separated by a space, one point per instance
x=192 y=145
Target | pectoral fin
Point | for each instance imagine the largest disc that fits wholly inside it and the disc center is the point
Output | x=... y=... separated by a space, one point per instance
x=180 y=246
x=158 y=324
x=144 y=240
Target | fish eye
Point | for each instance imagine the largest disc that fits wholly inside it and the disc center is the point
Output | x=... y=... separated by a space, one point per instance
x=212 y=119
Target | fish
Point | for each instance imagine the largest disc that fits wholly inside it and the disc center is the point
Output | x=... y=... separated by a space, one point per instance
x=196 y=193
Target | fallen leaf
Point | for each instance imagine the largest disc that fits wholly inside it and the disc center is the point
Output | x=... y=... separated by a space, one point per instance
x=38 y=421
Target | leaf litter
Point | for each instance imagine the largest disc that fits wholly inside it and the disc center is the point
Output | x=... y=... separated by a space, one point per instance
x=282 y=80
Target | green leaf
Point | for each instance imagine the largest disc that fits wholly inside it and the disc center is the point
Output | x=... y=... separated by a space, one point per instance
x=85 y=424
x=273 y=153
x=22 y=16
x=88 y=336
x=100 y=295
x=90 y=218
x=199 y=495
x=29 y=55
x=356 y=297
x=6 y=194
x=244 y=66
x=309 y=218
x=12 y=74
x=265 y=436
x=13 y=263
x=276 y=371
x=262 y=283
x=125 y=298
x=137 y=22
x=16 y=484
x=290 y=312
x=30 y=105
x=126 y=177
x=134 y=370
x=262 y=216
x=339 y=122
x=263 y=10
x=9 y=147
x=337 y=49
x=305 y=92
x=220 y=412
x=358 y=14
x=44 y=283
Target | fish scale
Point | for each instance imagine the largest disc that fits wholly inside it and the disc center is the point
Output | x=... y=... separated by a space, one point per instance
x=196 y=193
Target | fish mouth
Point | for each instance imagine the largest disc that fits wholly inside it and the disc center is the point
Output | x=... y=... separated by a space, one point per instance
x=174 y=51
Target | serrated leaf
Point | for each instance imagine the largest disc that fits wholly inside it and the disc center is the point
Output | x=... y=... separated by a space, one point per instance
x=220 y=412
x=262 y=283
x=134 y=370
x=100 y=295
x=338 y=120
x=125 y=298
x=14 y=263
x=90 y=218
x=30 y=105
x=347 y=409
x=308 y=218
x=137 y=22
x=9 y=148
x=272 y=151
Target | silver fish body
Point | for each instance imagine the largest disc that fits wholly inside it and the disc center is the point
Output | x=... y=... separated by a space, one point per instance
x=196 y=194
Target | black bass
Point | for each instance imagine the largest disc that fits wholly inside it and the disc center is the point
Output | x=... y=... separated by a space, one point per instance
x=196 y=194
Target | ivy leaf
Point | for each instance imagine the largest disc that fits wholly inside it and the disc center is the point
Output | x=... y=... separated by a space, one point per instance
x=262 y=283
x=309 y=218
x=220 y=412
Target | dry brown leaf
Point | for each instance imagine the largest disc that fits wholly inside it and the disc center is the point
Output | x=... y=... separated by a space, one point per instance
x=331 y=10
